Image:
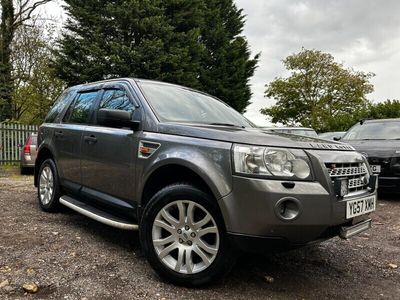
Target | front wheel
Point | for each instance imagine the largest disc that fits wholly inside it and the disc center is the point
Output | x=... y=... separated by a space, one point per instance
x=184 y=238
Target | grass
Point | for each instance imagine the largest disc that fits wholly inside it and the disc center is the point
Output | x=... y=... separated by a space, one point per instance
x=9 y=170
x=9 y=166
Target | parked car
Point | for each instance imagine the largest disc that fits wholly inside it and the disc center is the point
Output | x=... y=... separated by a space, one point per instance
x=304 y=131
x=379 y=141
x=334 y=135
x=197 y=179
x=28 y=154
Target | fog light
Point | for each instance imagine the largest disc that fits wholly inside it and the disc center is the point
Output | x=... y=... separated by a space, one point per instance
x=288 y=209
x=341 y=186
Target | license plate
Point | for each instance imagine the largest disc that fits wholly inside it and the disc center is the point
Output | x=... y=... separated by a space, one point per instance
x=375 y=168
x=360 y=206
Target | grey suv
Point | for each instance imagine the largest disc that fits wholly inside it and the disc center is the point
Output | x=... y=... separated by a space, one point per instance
x=197 y=179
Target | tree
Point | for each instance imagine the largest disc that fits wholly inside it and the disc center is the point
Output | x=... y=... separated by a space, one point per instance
x=35 y=84
x=14 y=13
x=382 y=110
x=227 y=66
x=196 y=43
x=319 y=93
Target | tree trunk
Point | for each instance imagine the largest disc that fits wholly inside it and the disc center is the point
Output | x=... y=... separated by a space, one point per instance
x=6 y=37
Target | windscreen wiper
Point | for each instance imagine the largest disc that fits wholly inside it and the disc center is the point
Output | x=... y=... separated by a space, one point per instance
x=373 y=139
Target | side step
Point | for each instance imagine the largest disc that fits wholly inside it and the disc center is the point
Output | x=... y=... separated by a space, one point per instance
x=97 y=214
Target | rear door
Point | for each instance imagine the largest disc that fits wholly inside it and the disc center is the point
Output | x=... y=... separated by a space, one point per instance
x=109 y=153
x=68 y=137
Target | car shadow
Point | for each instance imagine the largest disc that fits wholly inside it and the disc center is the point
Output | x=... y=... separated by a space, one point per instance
x=250 y=268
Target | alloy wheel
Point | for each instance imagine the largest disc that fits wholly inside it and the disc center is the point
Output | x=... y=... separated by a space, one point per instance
x=46 y=185
x=185 y=237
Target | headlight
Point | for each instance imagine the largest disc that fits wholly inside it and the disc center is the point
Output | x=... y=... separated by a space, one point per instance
x=270 y=161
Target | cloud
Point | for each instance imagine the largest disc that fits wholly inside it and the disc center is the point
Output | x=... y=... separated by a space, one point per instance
x=362 y=34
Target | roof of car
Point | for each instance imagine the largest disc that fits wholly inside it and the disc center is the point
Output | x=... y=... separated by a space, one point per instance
x=94 y=83
x=380 y=120
x=122 y=79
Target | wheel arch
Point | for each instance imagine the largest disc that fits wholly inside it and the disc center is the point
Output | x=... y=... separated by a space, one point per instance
x=160 y=176
x=43 y=154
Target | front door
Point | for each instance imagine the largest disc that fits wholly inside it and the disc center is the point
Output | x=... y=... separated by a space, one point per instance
x=68 y=137
x=108 y=154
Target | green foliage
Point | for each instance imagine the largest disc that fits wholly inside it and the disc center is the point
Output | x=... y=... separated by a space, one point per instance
x=319 y=93
x=196 y=43
x=6 y=37
x=387 y=109
x=35 y=84
x=383 y=110
x=226 y=65
x=14 y=15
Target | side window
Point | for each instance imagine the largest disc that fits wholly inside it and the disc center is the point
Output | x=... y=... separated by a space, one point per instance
x=58 y=107
x=116 y=99
x=79 y=111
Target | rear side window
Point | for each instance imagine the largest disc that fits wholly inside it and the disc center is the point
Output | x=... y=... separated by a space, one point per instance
x=79 y=111
x=116 y=99
x=58 y=107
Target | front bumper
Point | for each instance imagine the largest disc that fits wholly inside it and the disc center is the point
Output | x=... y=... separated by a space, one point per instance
x=389 y=184
x=260 y=244
x=349 y=231
x=250 y=211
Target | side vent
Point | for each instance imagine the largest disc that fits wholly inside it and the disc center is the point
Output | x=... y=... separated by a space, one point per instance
x=146 y=148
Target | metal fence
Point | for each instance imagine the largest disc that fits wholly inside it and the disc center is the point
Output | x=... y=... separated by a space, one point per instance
x=12 y=136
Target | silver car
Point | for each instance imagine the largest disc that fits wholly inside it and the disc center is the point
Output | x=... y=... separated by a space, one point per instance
x=194 y=177
x=28 y=154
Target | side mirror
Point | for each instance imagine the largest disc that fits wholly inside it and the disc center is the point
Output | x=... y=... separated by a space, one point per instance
x=116 y=118
x=337 y=138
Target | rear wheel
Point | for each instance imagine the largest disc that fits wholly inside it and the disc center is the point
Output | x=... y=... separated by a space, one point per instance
x=48 y=186
x=183 y=236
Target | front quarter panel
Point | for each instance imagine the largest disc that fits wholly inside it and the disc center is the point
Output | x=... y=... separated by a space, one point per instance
x=209 y=159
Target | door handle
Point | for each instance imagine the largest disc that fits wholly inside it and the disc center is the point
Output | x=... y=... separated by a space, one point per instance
x=90 y=139
x=59 y=134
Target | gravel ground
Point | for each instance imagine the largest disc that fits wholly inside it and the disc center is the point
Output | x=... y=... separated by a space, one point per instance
x=69 y=256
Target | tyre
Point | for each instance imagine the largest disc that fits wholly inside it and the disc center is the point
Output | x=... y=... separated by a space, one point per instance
x=48 y=186
x=183 y=236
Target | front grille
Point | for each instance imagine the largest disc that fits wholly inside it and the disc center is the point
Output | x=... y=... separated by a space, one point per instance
x=346 y=171
x=354 y=173
x=355 y=183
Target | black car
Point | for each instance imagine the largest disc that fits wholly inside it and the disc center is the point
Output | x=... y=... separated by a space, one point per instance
x=379 y=141
x=334 y=135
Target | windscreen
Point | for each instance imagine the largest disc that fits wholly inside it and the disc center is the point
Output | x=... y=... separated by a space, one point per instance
x=374 y=131
x=179 y=104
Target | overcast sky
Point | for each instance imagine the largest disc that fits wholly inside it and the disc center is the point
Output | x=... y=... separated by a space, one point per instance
x=362 y=34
